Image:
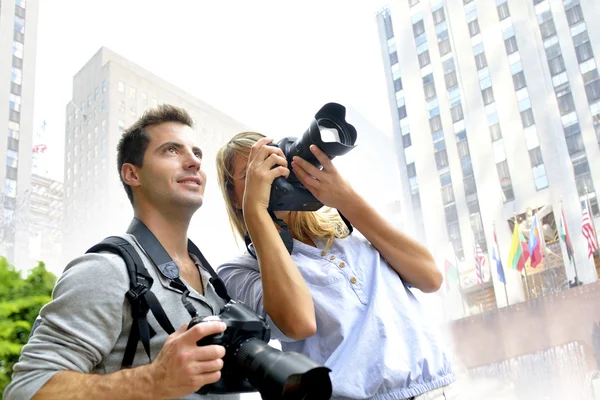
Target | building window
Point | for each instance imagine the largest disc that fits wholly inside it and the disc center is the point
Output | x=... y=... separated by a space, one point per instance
x=393 y=58
x=548 y=29
x=592 y=85
x=12 y=158
x=438 y=16
x=13 y=144
x=402 y=112
x=441 y=159
x=457 y=113
x=424 y=59
x=19 y=37
x=505 y=182
x=575 y=143
x=480 y=61
x=398 y=84
x=429 y=87
x=121 y=87
x=566 y=104
x=574 y=15
x=406 y=142
x=435 y=124
x=495 y=132
x=511 y=45
x=473 y=28
x=583 y=48
x=11 y=173
x=447 y=195
x=488 y=96
x=469 y=184
x=527 y=118
x=418 y=28
x=451 y=79
x=104 y=86
x=14 y=116
x=519 y=80
x=411 y=170
x=535 y=156
x=17 y=62
x=503 y=11
x=18 y=49
x=539 y=177
x=463 y=148
x=444 y=47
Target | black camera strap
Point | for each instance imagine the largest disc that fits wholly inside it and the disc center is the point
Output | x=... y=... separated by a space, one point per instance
x=286 y=235
x=140 y=296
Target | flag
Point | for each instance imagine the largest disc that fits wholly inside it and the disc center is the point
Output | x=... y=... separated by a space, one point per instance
x=519 y=251
x=479 y=264
x=496 y=258
x=564 y=235
x=450 y=267
x=535 y=243
x=588 y=231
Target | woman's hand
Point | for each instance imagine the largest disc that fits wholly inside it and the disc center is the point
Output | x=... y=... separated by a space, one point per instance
x=265 y=163
x=326 y=184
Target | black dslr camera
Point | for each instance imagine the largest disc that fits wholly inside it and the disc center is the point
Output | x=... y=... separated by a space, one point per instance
x=331 y=133
x=250 y=364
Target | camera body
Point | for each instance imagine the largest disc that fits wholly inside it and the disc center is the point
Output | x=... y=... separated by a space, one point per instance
x=242 y=324
x=251 y=365
x=333 y=135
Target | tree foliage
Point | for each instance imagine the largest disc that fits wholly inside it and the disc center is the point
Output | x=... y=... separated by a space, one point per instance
x=21 y=298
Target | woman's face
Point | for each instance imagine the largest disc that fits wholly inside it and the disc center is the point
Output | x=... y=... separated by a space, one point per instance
x=240 y=162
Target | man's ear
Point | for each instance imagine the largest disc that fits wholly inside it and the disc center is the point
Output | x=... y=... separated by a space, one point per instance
x=130 y=174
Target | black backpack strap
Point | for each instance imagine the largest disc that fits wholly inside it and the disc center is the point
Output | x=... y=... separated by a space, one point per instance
x=217 y=282
x=139 y=295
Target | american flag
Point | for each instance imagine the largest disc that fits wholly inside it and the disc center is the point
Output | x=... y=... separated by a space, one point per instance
x=479 y=264
x=588 y=231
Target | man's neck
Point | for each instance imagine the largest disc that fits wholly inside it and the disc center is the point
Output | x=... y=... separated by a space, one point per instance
x=170 y=231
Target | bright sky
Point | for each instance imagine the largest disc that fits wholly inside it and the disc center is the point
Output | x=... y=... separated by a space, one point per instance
x=269 y=64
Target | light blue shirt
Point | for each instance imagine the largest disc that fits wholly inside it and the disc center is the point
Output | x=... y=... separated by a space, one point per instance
x=370 y=328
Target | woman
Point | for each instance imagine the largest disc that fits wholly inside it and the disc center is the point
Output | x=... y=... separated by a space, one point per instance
x=341 y=299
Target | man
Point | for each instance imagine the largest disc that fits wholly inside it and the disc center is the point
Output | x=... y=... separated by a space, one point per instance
x=77 y=350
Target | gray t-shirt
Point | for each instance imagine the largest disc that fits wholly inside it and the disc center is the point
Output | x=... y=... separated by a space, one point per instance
x=86 y=325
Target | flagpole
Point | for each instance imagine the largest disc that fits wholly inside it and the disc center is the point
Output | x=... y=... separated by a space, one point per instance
x=462 y=300
x=524 y=262
x=501 y=264
x=587 y=202
x=572 y=258
x=479 y=271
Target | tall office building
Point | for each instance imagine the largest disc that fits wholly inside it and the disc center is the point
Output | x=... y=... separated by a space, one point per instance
x=496 y=107
x=109 y=94
x=18 y=37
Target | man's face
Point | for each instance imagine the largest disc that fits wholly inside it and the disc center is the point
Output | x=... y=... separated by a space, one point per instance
x=171 y=175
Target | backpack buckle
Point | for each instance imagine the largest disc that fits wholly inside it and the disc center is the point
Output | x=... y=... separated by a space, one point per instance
x=136 y=292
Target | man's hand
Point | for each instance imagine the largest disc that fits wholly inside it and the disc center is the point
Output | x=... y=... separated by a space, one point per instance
x=182 y=367
x=326 y=184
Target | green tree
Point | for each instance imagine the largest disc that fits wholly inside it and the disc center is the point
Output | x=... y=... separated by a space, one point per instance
x=21 y=299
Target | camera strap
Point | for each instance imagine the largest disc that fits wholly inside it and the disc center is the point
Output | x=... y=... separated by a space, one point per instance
x=140 y=296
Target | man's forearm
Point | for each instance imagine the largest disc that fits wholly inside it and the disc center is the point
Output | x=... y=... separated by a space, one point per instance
x=286 y=297
x=130 y=384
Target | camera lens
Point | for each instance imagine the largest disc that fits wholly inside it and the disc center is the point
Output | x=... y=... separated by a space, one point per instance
x=279 y=375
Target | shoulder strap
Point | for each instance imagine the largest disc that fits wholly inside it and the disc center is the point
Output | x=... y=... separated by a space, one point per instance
x=140 y=297
x=217 y=282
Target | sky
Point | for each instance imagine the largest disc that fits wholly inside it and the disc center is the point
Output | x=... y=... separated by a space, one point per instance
x=268 y=64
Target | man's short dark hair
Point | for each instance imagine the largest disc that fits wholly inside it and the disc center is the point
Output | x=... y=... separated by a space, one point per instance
x=135 y=139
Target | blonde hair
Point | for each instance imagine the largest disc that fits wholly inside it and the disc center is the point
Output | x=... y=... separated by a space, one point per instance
x=302 y=224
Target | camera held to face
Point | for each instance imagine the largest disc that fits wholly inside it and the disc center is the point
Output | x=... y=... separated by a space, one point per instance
x=250 y=364
x=333 y=135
